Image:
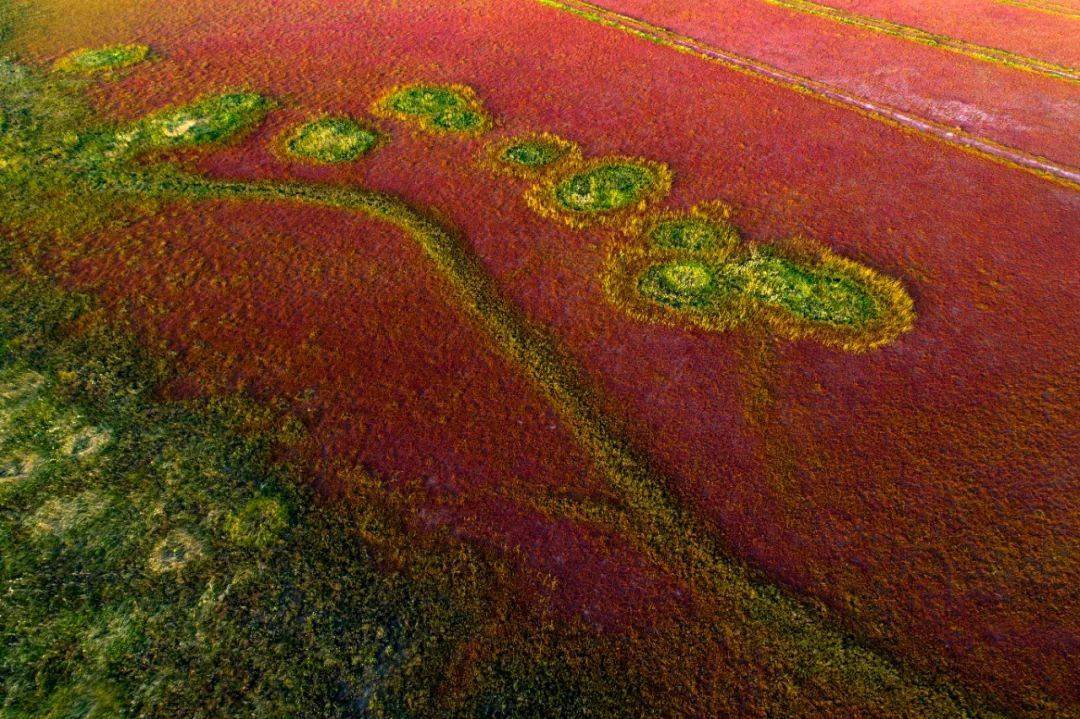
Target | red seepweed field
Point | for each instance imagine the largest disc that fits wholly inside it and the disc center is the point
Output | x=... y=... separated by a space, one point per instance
x=818 y=459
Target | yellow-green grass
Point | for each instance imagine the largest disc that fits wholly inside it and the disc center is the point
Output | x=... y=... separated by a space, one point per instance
x=600 y=191
x=211 y=119
x=103 y=59
x=330 y=140
x=441 y=109
x=706 y=227
x=691 y=269
x=530 y=155
x=819 y=295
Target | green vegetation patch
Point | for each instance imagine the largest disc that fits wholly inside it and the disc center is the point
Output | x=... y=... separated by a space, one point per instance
x=331 y=140
x=534 y=152
x=693 y=234
x=63 y=171
x=808 y=293
x=259 y=523
x=681 y=284
x=103 y=59
x=607 y=186
x=437 y=108
x=428 y=101
x=531 y=155
x=209 y=120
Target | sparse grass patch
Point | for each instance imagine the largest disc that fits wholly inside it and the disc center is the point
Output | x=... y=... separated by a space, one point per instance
x=60 y=516
x=117 y=636
x=15 y=467
x=18 y=385
x=174 y=552
x=83 y=701
x=86 y=441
